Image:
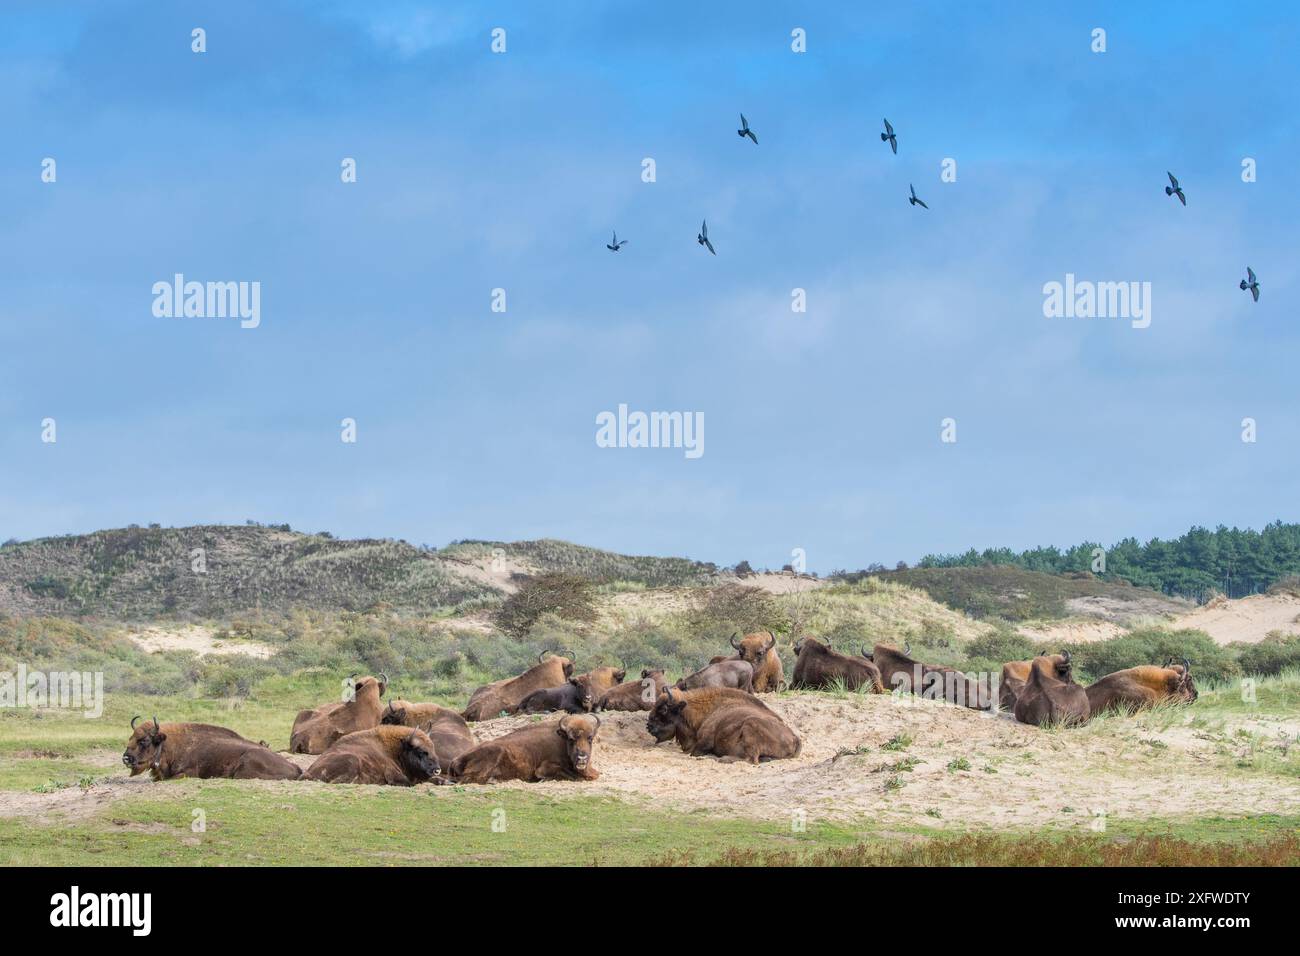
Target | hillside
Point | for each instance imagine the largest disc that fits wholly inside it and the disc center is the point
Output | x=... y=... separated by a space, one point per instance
x=152 y=572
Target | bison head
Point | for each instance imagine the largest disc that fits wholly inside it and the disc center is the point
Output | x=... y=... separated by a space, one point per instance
x=585 y=697
x=579 y=732
x=667 y=713
x=1186 y=686
x=144 y=749
x=362 y=686
x=754 y=647
x=418 y=757
x=1059 y=666
x=394 y=713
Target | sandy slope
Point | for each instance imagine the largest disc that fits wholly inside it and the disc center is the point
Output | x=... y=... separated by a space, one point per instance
x=1248 y=619
x=194 y=637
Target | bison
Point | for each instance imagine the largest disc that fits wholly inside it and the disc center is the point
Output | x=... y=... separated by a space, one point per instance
x=1138 y=687
x=390 y=755
x=201 y=750
x=504 y=696
x=1045 y=699
x=574 y=697
x=446 y=728
x=933 y=681
x=819 y=665
x=635 y=694
x=554 y=750
x=725 y=673
x=604 y=679
x=1015 y=673
x=759 y=650
x=314 y=730
x=729 y=723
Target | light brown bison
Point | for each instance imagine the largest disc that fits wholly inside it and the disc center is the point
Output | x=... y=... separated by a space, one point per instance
x=201 y=750
x=1044 y=699
x=898 y=670
x=575 y=697
x=1139 y=687
x=759 y=650
x=820 y=665
x=504 y=696
x=314 y=730
x=722 y=721
x=391 y=755
x=555 y=750
x=604 y=679
x=635 y=694
x=1015 y=673
x=726 y=673
x=446 y=728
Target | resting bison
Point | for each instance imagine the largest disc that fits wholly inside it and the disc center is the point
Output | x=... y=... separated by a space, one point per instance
x=201 y=750
x=393 y=755
x=933 y=681
x=635 y=694
x=504 y=696
x=759 y=650
x=726 y=673
x=719 y=720
x=1044 y=699
x=818 y=665
x=447 y=729
x=315 y=730
x=604 y=679
x=554 y=750
x=575 y=697
x=1138 y=687
x=1015 y=673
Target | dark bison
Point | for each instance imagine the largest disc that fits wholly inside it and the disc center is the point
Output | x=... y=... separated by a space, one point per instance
x=726 y=673
x=555 y=750
x=635 y=694
x=723 y=721
x=315 y=730
x=819 y=665
x=574 y=697
x=1015 y=673
x=898 y=670
x=1139 y=687
x=504 y=696
x=1044 y=699
x=446 y=728
x=392 y=755
x=201 y=750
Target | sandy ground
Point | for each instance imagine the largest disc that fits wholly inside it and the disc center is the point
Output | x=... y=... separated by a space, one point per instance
x=781 y=582
x=1018 y=776
x=1248 y=619
x=495 y=572
x=196 y=638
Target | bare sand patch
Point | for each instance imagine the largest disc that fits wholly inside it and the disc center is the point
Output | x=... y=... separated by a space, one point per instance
x=197 y=638
x=1248 y=619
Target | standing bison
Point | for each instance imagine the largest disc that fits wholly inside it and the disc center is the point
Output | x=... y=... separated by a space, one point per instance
x=504 y=696
x=446 y=728
x=728 y=673
x=315 y=730
x=390 y=755
x=728 y=723
x=635 y=694
x=1045 y=699
x=1139 y=687
x=201 y=750
x=554 y=750
x=817 y=665
x=1015 y=673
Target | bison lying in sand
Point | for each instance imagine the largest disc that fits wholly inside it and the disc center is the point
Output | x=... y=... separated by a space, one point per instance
x=727 y=673
x=504 y=696
x=1045 y=699
x=604 y=679
x=392 y=755
x=635 y=694
x=1015 y=673
x=314 y=730
x=201 y=750
x=554 y=750
x=899 y=671
x=717 y=720
x=1139 y=687
x=818 y=665
x=447 y=729
x=575 y=697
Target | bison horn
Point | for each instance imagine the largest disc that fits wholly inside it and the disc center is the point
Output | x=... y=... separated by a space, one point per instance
x=733 y=641
x=907 y=648
x=383 y=679
x=865 y=653
x=543 y=654
x=156 y=726
x=133 y=720
x=597 y=730
x=1066 y=657
x=1187 y=666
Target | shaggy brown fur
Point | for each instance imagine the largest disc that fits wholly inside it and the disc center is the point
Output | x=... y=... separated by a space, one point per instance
x=314 y=730
x=392 y=755
x=635 y=694
x=736 y=674
x=680 y=713
x=201 y=750
x=932 y=681
x=504 y=696
x=760 y=651
x=1139 y=687
x=447 y=729
x=1045 y=700
x=575 y=697
x=1015 y=673
x=818 y=665
x=554 y=750
x=604 y=679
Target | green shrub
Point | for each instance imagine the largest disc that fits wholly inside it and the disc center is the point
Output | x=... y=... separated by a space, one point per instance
x=1274 y=654
x=1154 y=645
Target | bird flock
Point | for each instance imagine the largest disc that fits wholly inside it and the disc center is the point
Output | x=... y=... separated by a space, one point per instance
x=891 y=137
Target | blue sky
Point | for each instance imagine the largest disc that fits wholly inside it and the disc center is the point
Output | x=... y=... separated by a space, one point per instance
x=479 y=170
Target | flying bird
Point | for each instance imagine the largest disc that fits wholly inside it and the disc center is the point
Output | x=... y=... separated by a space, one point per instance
x=888 y=134
x=616 y=245
x=1252 y=285
x=913 y=200
x=1175 y=189
x=703 y=237
x=745 y=130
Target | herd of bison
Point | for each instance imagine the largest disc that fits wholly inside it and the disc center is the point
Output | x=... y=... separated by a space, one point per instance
x=715 y=711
